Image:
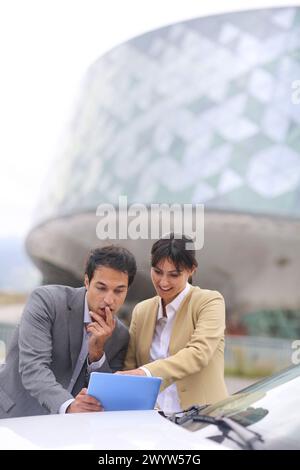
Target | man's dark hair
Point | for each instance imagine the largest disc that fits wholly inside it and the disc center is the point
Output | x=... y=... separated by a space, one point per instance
x=114 y=257
x=175 y=250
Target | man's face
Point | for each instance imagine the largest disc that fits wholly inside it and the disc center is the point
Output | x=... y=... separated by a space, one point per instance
x=107 y=288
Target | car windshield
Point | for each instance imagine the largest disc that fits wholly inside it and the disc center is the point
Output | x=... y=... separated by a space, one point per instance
x=269 y=408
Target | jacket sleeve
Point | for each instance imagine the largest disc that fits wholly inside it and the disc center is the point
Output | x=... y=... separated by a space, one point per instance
x=199 y=350
x=130 y=360
x=35 y=352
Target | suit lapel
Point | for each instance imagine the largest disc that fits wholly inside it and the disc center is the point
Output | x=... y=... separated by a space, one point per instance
x=147 y=331
x=76 y=311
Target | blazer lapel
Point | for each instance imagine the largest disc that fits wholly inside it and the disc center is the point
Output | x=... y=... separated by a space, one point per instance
x=179 y=320
x=76 y=311
x=147 y=330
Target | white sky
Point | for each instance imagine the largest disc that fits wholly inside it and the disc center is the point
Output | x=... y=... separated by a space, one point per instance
x=45 y=49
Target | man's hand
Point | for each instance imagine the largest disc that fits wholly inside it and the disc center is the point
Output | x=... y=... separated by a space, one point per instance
x=131 y=372
x=100 y=330
x=84 y=403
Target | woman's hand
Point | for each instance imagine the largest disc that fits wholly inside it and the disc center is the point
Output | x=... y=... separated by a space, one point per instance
x=131 y=372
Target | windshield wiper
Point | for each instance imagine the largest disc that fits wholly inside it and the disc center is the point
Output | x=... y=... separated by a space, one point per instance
x=247 y=436
x=185 y=415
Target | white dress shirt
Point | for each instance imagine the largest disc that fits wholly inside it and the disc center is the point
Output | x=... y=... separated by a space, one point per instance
x=168 y=399
x=83 y=356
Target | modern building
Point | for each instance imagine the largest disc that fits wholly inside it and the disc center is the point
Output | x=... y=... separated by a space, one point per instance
x=206 y=111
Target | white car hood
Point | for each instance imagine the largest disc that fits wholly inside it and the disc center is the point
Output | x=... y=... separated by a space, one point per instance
x=144 y=430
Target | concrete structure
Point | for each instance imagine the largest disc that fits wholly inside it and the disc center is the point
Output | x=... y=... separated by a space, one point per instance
x=198 y=112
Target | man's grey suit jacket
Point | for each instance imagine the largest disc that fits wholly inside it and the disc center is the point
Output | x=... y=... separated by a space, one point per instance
x=44 y=351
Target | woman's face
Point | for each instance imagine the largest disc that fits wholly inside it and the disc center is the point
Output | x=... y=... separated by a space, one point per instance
x=168 y=281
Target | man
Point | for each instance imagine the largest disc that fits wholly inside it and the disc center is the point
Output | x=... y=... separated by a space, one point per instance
x=65 y=334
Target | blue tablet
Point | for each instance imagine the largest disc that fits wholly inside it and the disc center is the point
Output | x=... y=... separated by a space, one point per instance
x=124 y=392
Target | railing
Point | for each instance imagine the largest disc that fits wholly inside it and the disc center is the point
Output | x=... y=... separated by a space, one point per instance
x=256 y=356
x=244 y=355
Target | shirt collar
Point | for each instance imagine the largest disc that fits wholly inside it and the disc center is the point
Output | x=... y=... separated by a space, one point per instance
x=173 y=306
x=87 y=316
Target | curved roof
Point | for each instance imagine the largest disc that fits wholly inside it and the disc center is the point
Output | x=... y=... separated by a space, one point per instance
x=200 y=111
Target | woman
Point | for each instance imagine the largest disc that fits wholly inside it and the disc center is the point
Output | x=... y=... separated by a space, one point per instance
x=179 y=334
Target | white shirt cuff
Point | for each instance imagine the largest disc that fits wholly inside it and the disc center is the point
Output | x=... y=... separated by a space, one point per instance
x=94 y=366
x=147 y=372
x=64 y=406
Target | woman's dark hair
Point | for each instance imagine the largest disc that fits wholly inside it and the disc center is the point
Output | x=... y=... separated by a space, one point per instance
x=114 y=257
x=174 y=249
